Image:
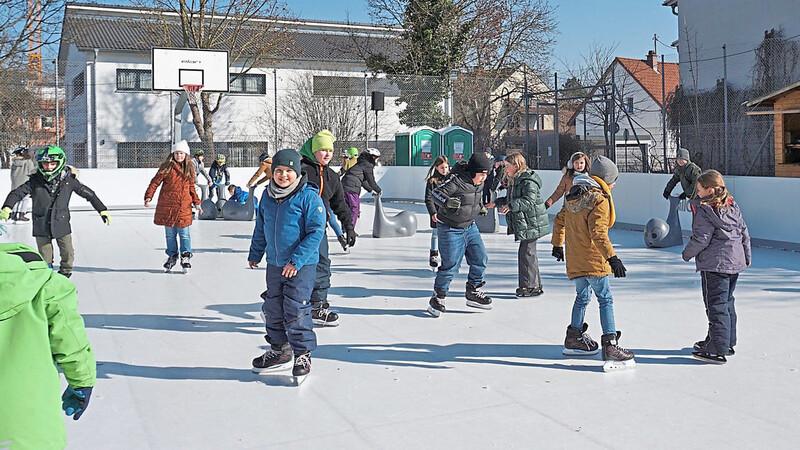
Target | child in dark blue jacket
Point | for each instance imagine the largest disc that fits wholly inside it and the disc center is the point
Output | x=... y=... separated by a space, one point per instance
x=290 y=225
x=720 y=246
x=239 y=195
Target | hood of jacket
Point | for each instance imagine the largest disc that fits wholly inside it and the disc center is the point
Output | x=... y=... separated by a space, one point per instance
x=529 y=174
x=366 y=158
x=306 y=152
x=726 y=219
x=18 y=283
x=585 y=192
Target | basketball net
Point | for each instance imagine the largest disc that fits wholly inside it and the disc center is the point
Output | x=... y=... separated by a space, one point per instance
x=193 y=92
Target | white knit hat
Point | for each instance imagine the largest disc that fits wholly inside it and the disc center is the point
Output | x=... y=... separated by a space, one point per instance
x=181 y=146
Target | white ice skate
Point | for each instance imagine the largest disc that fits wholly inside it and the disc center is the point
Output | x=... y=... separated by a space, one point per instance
x=618 y=366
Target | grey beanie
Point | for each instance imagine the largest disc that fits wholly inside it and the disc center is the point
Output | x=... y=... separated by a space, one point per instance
x=605 y=169
x=288 y=158
x=683 y=154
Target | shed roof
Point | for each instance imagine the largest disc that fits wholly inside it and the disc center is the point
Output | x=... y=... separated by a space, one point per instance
x=769 y=99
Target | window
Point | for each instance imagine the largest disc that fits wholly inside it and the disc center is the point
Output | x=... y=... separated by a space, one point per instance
x=78 y=85
x=629 y=104
x=134 y=80
x=248 y=83
x=244 y=154
x=47 y=121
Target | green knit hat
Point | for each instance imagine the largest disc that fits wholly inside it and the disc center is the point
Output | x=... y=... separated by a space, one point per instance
x=322 y=141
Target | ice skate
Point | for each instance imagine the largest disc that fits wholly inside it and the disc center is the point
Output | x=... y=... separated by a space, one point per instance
x=343 y=243
x=21 y=217
x=529 y=292
x=170 y=263
x=616 y=358
x=324 y=317
x=185 y=264
x=701 y=345
x=579 y=343
x=476 y=298
x=433 y=260
x=276 y=358
x=436 y=304
x=713 y=358
x=302 y=367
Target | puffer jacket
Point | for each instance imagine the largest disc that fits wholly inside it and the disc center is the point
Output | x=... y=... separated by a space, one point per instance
x=174 y=208
x=584 y=221
x=458 y=185
x=527 y=217
x=200 y=170
x=330 y=186
x=564 y=185
x=362 y=174
x=687 y=176
x=290 y=229
x=430 y=184
x=39 y=325
x=217 y=171
x=720 y=241
x=51 y=202
x=21 y=171
x=265 y=168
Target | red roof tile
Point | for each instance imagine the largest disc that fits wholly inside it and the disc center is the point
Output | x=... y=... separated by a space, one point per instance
x=650 y=79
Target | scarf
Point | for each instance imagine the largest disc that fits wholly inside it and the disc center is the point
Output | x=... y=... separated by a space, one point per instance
x=279 y=193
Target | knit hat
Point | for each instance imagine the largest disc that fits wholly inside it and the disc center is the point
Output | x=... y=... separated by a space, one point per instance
x=322 y=141
x=287 y=157
x=500 y=158
x=181 y=146
x=605 y=169
x=683 y=154
x=478 y=163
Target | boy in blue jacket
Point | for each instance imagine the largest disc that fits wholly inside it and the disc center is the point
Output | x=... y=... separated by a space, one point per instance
x=290 y=225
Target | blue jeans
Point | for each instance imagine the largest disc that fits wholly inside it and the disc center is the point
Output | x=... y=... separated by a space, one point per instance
x=434 y=236
x=602 y=290
x=287 y=307
x=174 y=234
x=454 y=245
x=334 y=223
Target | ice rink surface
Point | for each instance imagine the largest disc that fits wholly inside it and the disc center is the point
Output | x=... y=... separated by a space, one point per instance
x=174 y=351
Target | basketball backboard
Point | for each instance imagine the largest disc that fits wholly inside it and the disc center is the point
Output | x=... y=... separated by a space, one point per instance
x=175 y=67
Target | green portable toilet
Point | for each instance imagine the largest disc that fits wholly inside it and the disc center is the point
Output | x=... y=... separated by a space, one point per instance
x=418 y=146
x=456 y=143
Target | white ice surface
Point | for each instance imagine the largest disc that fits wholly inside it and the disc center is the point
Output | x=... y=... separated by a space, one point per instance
x=174 y=351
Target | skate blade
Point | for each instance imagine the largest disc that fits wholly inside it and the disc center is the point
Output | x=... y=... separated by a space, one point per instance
x=434 y=312
x=322 y=323
x=298 y=380
x=479 y=305
x=578 y=352
x=618 y=366
x=273 y=369
x=707 y=360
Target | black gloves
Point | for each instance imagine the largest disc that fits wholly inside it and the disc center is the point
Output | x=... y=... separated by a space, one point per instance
x=483 y=211
x=617 y=267
x=75 y=401
x=558 y=253
x=351 y=236
x=682 y=196
x=666 y=195
x=453 y=202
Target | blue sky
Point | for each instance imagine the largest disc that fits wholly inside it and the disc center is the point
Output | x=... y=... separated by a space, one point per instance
x=629 y=23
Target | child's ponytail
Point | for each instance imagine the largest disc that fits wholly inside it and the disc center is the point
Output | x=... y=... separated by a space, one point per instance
x=721 y=197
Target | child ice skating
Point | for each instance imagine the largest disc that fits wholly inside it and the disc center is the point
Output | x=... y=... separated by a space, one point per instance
x=459 y=202
x=720 y=246
x=349 y=159
x=362 y=174
x=584 y=221
x=51 y=188
x=22 y=167
x=175 y=200
x=436 y=175
x=200 y=170
x=576 y=164
x=239 y=195
x=686 y=173
x=292 y=210
x=264 y=168
x=219 y=172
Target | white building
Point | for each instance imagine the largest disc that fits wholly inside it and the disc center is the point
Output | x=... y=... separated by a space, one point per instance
x=114 y=119
x=638 y=112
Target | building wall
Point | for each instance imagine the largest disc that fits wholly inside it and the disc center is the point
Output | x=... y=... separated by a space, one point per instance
x=788 y=101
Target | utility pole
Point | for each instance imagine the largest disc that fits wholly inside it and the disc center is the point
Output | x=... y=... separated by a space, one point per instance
x=663 y=113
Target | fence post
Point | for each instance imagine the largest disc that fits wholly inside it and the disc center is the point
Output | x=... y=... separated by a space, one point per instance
x=275 y=99
x=725 y=101
x=555 y=124
x=366 y=121
x=527 y=121
x=58 y=124
x=538 y=144
x=664 y=112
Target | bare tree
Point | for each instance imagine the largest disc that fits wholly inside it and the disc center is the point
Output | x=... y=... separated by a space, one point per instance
x=27 y=26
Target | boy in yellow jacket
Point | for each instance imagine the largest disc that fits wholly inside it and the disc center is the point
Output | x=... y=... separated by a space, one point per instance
x=583 y=222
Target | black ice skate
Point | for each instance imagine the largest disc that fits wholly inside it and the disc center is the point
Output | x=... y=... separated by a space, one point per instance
x=476 y=298
x=302 y=367
x=615 y=357
x=185 y=264
x=433 y=260
x=324 y=317
x=579 y=343
x=713 y=358
x=278 y=357
x=436 y=303
x=700 y=346
x=343 y=243
x=170 y=263
x=529 y=292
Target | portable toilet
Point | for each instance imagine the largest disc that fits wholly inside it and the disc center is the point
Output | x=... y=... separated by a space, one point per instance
x=456 y=143
x=418 y=146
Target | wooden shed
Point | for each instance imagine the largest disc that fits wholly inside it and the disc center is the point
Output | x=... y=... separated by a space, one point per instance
x=785 y=103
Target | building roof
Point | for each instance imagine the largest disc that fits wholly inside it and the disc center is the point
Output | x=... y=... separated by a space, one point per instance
x=769 y=99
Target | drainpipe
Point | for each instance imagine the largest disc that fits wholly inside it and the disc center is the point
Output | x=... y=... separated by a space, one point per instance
x=91 y=104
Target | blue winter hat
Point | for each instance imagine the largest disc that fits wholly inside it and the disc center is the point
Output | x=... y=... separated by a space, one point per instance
x=287 y=157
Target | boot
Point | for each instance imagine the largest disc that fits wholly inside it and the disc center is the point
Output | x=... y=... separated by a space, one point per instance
x=476 y=298
x=579 y=343
x=324 y=317
x=22 y=217
x=302 y=364
x=436 y=303
x=185 y=257
x=277 y=357
x=529 y=292
x=611 y=349
x=433 y=260
x=170 y=262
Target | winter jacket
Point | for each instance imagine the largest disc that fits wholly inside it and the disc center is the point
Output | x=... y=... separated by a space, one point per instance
x=290 y=229
x=527 y=217
x=21 y=171
x=348 y=164
x=39 y=325
x=362 y=174
x=200 y=170
x=174 y=208
x=435 y=180
x=492 y=183
x=264 y=168
x=51 y=202
x=687 y=176
x=458 y=185
x=240 y=196
x=564 y=185
x=720 y=241
x=217 y=171
x=330 y=187
x=584 y=220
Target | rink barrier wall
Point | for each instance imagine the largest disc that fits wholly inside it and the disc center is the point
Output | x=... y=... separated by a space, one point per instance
x=769 y=205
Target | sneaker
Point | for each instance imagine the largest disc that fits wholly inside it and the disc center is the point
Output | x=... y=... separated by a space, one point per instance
x=713 y=358
x=170 y=262
x=529 y=292
x=476 y=298
x=343 y=242
x=579 y=343
x=324 y=317
x=436 y=303
x=611 y=349
x=433 y=260
x=185 y=257
x=701 y=345
x=302 y=364
x=277 y=357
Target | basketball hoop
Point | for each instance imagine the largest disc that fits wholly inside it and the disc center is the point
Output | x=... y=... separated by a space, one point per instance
x=193 y=92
